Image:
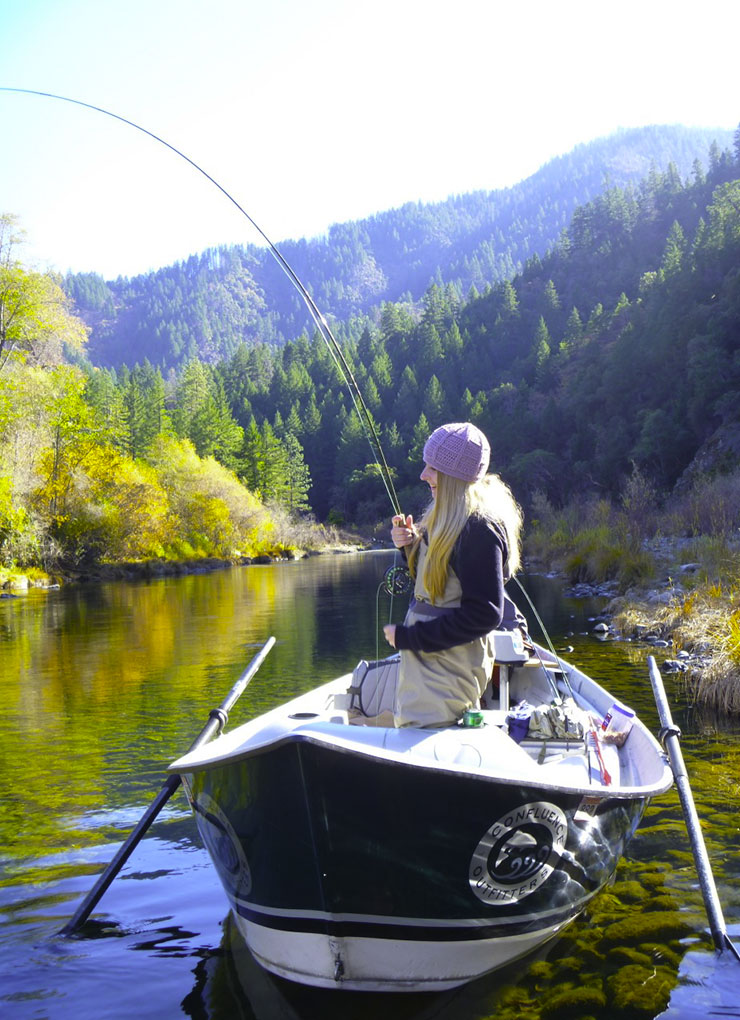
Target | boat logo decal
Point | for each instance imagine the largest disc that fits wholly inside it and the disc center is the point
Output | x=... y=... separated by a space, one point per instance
x=223 y=844
x=518 y=853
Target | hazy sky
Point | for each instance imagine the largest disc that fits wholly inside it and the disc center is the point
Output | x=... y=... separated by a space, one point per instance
x=313 y=112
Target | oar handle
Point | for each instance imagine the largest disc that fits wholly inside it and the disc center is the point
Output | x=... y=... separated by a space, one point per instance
x=217 y=721
x=219 y=716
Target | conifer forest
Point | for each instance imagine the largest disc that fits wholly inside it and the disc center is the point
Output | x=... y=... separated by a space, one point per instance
x=587 y=320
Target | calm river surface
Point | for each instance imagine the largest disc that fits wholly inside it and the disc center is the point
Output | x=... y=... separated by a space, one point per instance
x=104 y=685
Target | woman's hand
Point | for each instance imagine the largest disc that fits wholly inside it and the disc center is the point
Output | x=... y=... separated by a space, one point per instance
x=390 y=634
x=403 y=531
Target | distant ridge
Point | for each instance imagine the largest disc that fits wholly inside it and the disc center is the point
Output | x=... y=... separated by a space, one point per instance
x=207 y=305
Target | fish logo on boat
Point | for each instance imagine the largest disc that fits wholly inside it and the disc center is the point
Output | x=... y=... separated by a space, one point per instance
x=518 y=853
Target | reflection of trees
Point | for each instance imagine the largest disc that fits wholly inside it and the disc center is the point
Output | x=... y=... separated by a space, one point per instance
x=104 y=685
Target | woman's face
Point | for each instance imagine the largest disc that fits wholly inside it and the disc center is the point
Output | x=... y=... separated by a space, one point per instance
x=429 y=475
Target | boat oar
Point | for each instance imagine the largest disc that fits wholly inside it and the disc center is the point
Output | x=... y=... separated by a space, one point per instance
x=216 y=722
x=669 y=738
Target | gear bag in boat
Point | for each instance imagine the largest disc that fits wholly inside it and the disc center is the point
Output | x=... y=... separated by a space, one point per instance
x=373 y=688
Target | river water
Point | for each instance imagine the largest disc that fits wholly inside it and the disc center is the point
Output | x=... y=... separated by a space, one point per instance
x=104 y=685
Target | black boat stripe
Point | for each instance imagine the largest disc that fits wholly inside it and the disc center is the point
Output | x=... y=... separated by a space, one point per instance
x=249 y=909
x=465 y=932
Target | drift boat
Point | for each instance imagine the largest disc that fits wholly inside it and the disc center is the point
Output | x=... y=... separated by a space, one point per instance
x=372 y=858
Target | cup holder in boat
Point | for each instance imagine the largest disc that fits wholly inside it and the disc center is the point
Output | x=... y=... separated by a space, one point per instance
x=304 y=715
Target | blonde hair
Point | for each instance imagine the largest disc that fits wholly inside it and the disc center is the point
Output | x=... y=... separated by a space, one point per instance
x=446 y=516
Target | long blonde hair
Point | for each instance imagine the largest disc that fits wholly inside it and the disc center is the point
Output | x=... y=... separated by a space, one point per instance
x=446 y=516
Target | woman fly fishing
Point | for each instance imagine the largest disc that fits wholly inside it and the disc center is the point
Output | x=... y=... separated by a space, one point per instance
x=461 y=554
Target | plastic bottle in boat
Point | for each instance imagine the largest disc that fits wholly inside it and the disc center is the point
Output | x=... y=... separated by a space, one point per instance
x=617 y=724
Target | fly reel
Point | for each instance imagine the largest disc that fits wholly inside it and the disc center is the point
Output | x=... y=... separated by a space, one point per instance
x=397 y=580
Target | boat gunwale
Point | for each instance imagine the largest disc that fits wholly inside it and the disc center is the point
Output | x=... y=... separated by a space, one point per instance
x=343 y=738
x=312 y=735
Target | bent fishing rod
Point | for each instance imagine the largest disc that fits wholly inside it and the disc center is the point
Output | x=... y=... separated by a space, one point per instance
x=396 y=584
x=363 y=413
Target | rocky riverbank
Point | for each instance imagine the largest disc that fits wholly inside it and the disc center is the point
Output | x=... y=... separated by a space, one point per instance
x=689 y=609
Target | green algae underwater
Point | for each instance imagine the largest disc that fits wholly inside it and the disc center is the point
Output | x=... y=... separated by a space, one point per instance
x=105 y=685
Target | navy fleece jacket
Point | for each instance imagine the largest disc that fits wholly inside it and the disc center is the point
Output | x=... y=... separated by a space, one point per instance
x=478 y=561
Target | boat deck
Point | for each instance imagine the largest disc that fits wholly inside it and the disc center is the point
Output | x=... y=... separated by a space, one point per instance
x=321 y=716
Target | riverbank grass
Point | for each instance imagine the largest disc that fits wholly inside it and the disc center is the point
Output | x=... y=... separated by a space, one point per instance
x=683 y=590
x=701 y=618
x=589 y=543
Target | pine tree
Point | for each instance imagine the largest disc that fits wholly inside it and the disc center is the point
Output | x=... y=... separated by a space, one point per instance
x=293 y=423
x=540 y=355
x=107 y=400
x=251 y=460
x=135 y=404
x=406 y=405
x=274 y=466
x=429 y=346
x=393 y=445
x=419 y=436
x=434 y=405
x=508 y=301
x=552 y=300
x=371 y=396
x=573 y=331
x=202 y=414
x=354 y=450
x=674 y=251
x=293 y=494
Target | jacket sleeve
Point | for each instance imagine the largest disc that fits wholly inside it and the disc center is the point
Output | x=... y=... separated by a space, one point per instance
x=478 y=561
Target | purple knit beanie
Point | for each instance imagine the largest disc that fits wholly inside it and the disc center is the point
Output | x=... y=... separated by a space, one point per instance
x=460 y=450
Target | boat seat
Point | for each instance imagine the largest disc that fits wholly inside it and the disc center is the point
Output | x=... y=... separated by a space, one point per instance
x=508 y=647
x=509 y=652
x=550 y=664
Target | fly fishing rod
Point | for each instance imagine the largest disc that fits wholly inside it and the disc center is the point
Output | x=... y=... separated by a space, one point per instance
x=363 y=413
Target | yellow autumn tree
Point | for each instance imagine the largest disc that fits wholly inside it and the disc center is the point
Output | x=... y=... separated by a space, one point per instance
x=36 y=322
x=89 y=501
x=115 y=510
x=213 y=513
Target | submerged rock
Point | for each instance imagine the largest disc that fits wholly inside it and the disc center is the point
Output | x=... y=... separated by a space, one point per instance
x=587 y=590
x=645 y=927
x=621 y=956
x=572 y=1003
x=629 y=891
x=643 y=990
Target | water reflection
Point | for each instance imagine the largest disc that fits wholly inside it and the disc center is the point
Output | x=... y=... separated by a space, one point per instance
x=104 y=685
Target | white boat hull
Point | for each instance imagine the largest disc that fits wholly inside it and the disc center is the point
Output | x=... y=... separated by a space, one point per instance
x=376 y=965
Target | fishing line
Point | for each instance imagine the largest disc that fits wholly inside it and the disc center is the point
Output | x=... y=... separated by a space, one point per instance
x=363 y=413
x=538 y=618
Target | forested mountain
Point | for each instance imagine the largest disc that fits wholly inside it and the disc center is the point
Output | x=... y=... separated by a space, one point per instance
x=619 y=348
x=606 y=365
x=207 y=306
